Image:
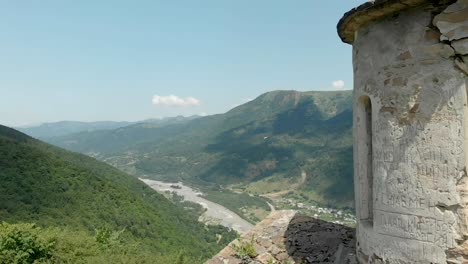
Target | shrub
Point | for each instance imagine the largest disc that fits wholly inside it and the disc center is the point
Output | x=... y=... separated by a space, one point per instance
x=20 y=243
x=107 y=238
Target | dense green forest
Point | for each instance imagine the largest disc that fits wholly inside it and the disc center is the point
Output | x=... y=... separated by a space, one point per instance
x=90 y=212
x=276 y=138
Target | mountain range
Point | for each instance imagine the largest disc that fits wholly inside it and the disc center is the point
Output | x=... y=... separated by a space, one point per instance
x=62 y=128
x=284 y=142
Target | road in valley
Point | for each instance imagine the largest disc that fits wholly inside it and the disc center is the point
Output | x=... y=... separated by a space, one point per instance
x=214 y=212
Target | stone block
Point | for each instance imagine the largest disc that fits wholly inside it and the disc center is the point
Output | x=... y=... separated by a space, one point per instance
x=265 y=258
x=453 y=22
x=461 y=46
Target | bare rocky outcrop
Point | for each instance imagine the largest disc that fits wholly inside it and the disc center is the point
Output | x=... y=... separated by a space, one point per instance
x=310 y=240
x=285 y=237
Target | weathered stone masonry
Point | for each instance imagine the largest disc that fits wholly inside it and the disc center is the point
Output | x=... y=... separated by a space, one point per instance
x=285 y=237
x=410 y=60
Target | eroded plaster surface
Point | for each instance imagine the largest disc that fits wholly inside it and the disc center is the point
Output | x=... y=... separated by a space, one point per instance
x=410 y=167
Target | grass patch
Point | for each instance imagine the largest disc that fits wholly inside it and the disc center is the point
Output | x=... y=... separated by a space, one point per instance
x=245 y=249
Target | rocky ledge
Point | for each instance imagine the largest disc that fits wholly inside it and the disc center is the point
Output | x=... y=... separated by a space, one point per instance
x=286 y=237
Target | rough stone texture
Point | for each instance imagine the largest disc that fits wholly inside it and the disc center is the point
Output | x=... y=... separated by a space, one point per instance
x=372 y=11
x=453 y=21
x=411 y=136
x=284 y=237
x=311 y=240
x=461 y=46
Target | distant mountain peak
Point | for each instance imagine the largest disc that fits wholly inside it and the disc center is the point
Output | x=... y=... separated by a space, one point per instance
x=278 y=133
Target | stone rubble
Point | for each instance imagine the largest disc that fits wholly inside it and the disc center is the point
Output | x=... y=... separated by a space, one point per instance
x=286 y=237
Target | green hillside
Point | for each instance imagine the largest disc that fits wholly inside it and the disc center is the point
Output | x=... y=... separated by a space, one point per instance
x=276 y=138
x=72 y=195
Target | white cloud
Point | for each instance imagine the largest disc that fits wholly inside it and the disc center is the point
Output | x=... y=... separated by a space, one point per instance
x=338 y=84
x=173 y=100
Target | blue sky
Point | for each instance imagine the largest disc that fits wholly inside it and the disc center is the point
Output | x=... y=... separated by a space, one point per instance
x=93 y=60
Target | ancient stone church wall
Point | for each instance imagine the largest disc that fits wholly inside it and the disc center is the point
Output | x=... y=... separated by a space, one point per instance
x=410 y=139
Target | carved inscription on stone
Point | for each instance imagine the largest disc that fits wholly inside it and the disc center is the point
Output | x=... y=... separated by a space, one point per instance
x=419 y=145
x=400 y=249
x=425 y=229
x=394 y=247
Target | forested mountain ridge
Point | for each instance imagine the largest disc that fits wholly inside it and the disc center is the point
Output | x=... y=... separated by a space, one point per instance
x=62 y=128
x=265 y=145
x=55 y=188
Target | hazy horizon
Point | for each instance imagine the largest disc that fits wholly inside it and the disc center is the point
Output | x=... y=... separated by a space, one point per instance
x=96 y=61
x=136 y=120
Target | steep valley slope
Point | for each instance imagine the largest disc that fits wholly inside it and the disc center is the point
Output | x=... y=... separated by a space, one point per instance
x=73 y=196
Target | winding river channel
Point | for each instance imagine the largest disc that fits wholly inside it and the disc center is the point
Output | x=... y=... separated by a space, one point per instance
x=214 y=212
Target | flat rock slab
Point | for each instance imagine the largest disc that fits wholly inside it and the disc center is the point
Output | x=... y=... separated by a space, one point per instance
x=312 y=240
x=285 y=237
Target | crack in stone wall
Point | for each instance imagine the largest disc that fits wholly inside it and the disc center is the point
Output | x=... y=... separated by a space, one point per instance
x=452 y=24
